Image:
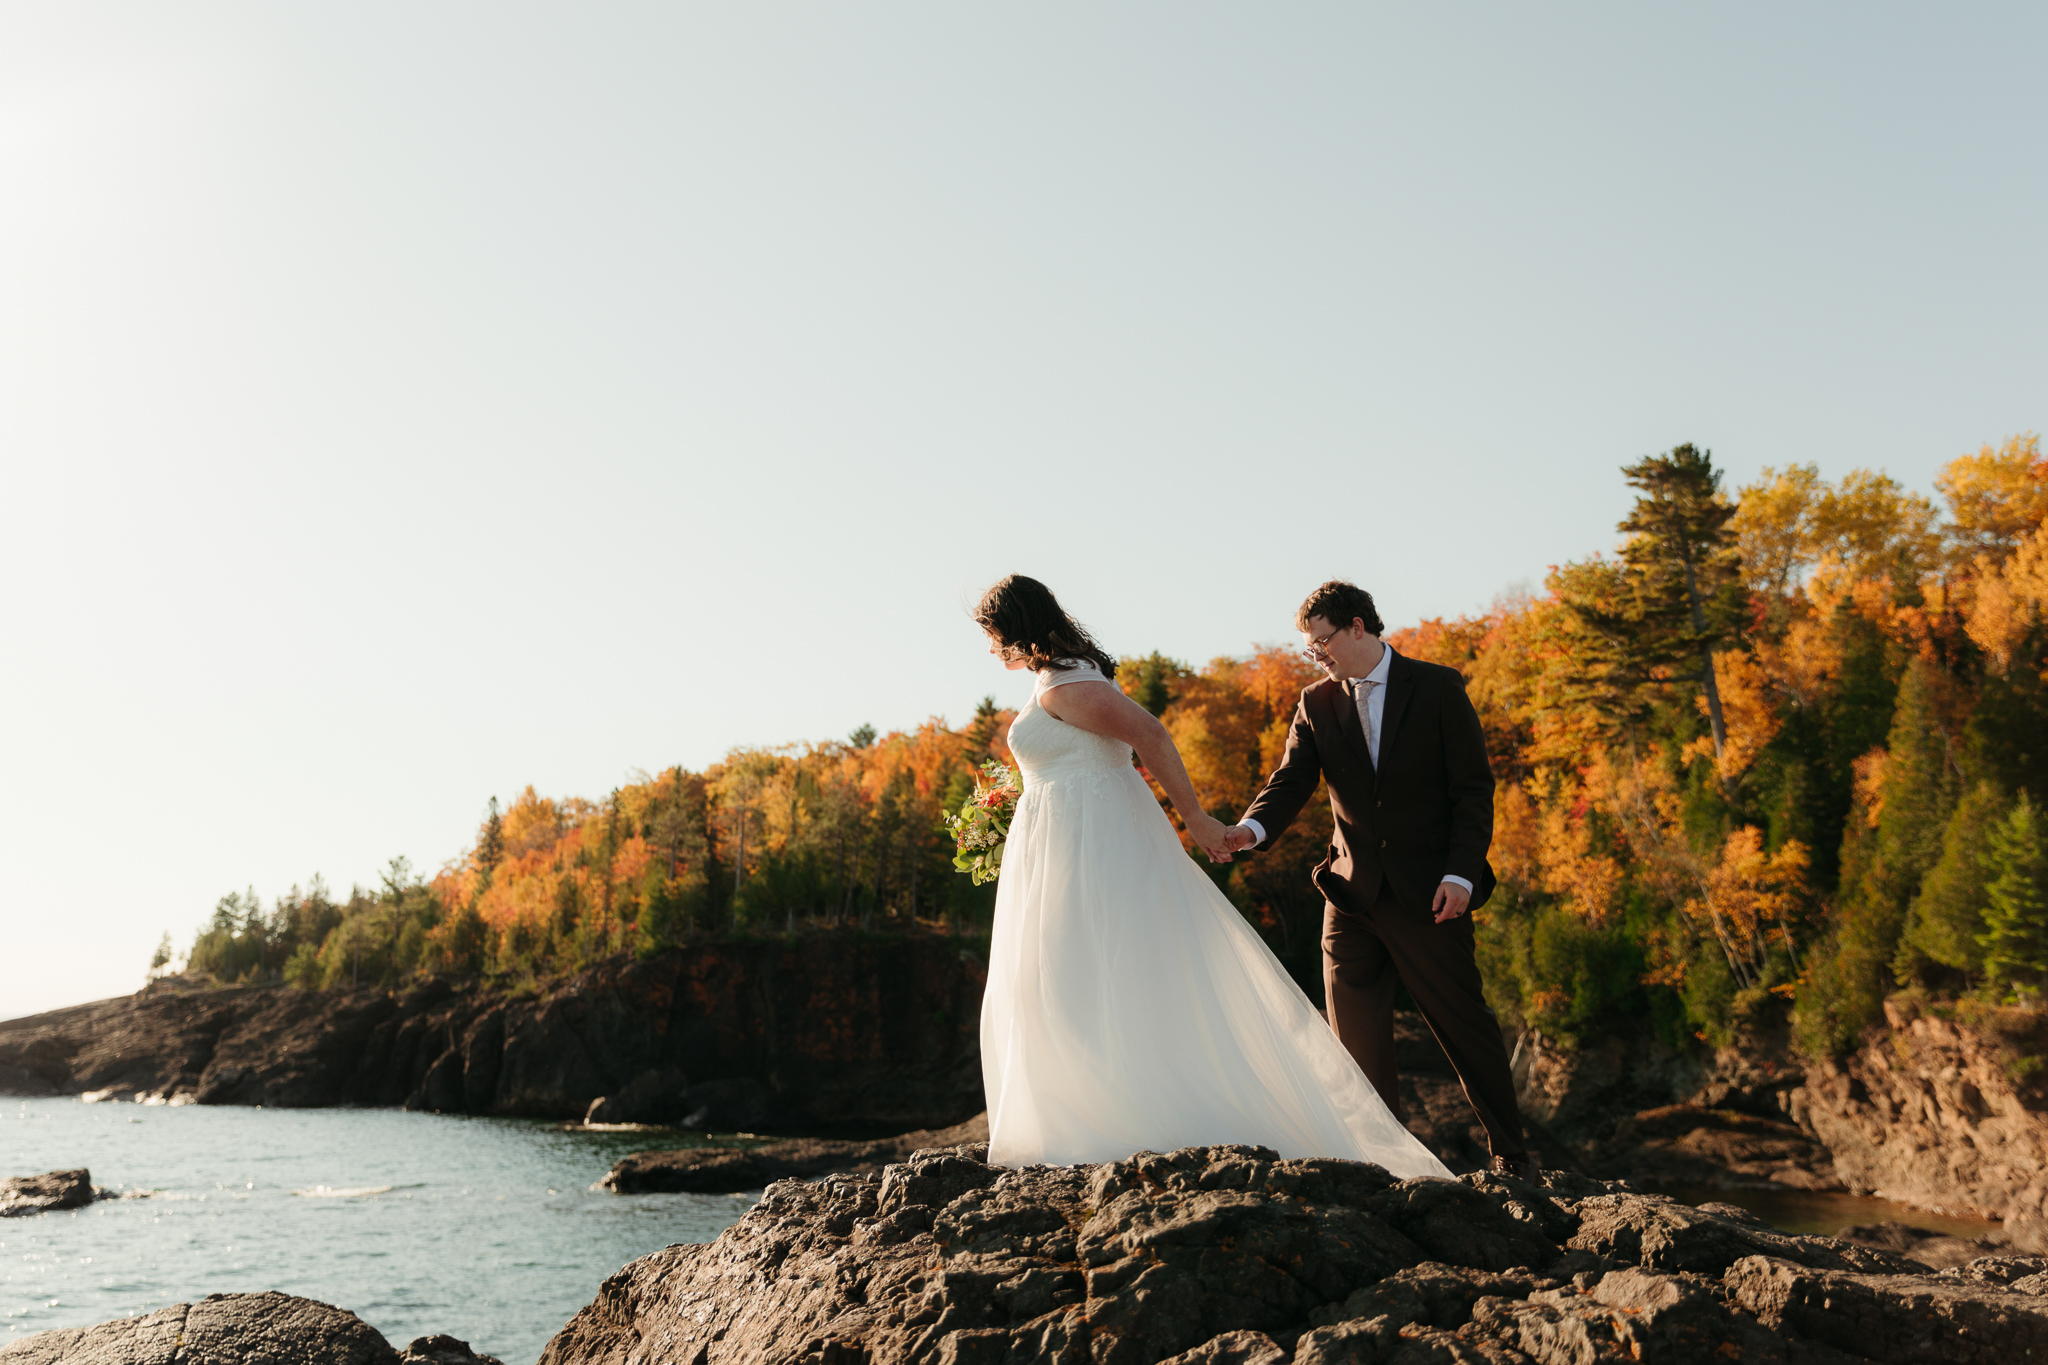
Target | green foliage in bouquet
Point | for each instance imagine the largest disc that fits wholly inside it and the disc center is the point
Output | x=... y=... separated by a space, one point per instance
x=982 y=823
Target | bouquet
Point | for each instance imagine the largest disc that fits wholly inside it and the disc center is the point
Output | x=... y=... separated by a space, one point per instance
x=983 y=823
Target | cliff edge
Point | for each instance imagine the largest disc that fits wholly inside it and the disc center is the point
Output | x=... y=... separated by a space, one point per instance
x=818 y=1033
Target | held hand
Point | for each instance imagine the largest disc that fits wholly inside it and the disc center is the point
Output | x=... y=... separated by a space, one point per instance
x=1209 y=832
x=1240 y=838
x=1451 y=900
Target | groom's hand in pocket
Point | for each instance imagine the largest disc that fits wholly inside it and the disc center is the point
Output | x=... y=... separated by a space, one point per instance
x=1451 y=900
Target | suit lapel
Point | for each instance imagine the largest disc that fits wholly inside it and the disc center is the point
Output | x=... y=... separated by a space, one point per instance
x=1400 y=687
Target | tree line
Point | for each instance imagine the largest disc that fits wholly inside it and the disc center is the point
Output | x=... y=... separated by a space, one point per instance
x=1781 y=753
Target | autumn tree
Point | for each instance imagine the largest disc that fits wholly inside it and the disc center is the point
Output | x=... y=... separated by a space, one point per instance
x=1774 y=527
x=1997 y=497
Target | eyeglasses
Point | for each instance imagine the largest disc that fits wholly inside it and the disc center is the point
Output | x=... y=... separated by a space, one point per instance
x=1314 y=650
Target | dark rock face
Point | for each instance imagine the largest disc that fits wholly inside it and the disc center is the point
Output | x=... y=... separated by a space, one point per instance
x=235 y=1329
x=1895 y=1318
x=46 y=1193
x=1232 y=1256
x=1930 y=1115
x=653 y=1096
x=808 y=1033
x=721 y=1170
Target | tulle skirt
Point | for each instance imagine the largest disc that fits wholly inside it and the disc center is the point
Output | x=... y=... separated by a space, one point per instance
x=1130 y=1007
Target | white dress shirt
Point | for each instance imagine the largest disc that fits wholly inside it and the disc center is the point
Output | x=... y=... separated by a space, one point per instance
x=1370 y=694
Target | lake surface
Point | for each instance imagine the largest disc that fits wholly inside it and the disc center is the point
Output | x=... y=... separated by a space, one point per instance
x=418 y=1223
x=1824 y=1214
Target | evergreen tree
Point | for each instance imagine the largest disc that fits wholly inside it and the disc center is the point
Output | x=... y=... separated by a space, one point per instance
x=1676 y=596
x=2016 y=914
x=1946 y=918
x=1684 y=567
x=1150 y=681
x=161 y=958
x=490 y=846
x=1888 y=847
x=981 y=733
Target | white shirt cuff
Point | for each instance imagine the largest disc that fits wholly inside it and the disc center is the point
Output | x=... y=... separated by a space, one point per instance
x=1256 y=828
x=1458 y=881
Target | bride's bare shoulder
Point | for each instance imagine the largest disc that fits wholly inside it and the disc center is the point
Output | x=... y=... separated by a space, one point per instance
x=1073 y=681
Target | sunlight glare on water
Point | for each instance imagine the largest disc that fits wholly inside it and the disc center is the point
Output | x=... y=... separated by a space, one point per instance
x=486 y=1229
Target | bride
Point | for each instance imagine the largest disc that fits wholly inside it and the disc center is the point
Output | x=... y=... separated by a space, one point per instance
x=1129 y=1006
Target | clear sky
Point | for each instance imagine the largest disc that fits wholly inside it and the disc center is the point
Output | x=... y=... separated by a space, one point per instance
x=400 y=404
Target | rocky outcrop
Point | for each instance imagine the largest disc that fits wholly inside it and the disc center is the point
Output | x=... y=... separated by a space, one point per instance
x=1933 y=1115
x=1233 y=1256
x=1635 y=1108
x=725 y=1170
x=804 y=1034
x=46 y=1193
x=236 y=1329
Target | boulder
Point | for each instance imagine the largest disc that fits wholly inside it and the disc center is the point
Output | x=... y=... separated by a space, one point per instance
x=441 y=1349
x=234 y=1329
x=46 y=1192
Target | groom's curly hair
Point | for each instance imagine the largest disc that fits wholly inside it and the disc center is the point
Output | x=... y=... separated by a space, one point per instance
x=1340 y=603
x=1023 y=615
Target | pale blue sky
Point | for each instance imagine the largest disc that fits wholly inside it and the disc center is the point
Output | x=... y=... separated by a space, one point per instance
x=401 y=404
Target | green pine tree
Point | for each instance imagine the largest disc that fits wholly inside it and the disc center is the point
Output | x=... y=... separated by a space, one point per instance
x=1881 y=871
x=1658 y=616
x=1150 y=680
x=1945 y=920
x=2016 y=913
x=981 y=733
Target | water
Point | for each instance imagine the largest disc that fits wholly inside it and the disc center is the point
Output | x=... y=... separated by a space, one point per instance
x=1824 y=1214
x=482 y=1228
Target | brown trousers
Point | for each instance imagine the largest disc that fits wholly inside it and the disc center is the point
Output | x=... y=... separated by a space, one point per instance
x=1368 y=955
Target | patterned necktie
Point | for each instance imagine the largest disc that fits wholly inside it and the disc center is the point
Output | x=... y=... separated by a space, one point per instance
x=1361 y=697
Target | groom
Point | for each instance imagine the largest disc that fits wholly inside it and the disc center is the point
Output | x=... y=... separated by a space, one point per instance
x=1401 y=748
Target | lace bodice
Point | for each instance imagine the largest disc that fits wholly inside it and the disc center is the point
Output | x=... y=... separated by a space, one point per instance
x=1046 y=747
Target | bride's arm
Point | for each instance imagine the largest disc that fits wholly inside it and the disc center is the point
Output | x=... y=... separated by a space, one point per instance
x=1103 y=708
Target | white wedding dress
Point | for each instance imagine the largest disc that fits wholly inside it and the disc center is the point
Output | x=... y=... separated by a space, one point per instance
x=1129 y=1006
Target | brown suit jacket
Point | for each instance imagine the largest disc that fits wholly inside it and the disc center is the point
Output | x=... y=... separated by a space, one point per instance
x=1426 y=811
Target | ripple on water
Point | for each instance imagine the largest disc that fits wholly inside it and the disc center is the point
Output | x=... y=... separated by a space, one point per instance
x=483 y=1228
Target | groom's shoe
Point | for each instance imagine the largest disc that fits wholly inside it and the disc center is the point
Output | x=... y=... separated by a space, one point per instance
x=1522 y=1166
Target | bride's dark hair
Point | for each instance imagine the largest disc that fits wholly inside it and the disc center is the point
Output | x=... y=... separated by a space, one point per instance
x=1023 y=615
